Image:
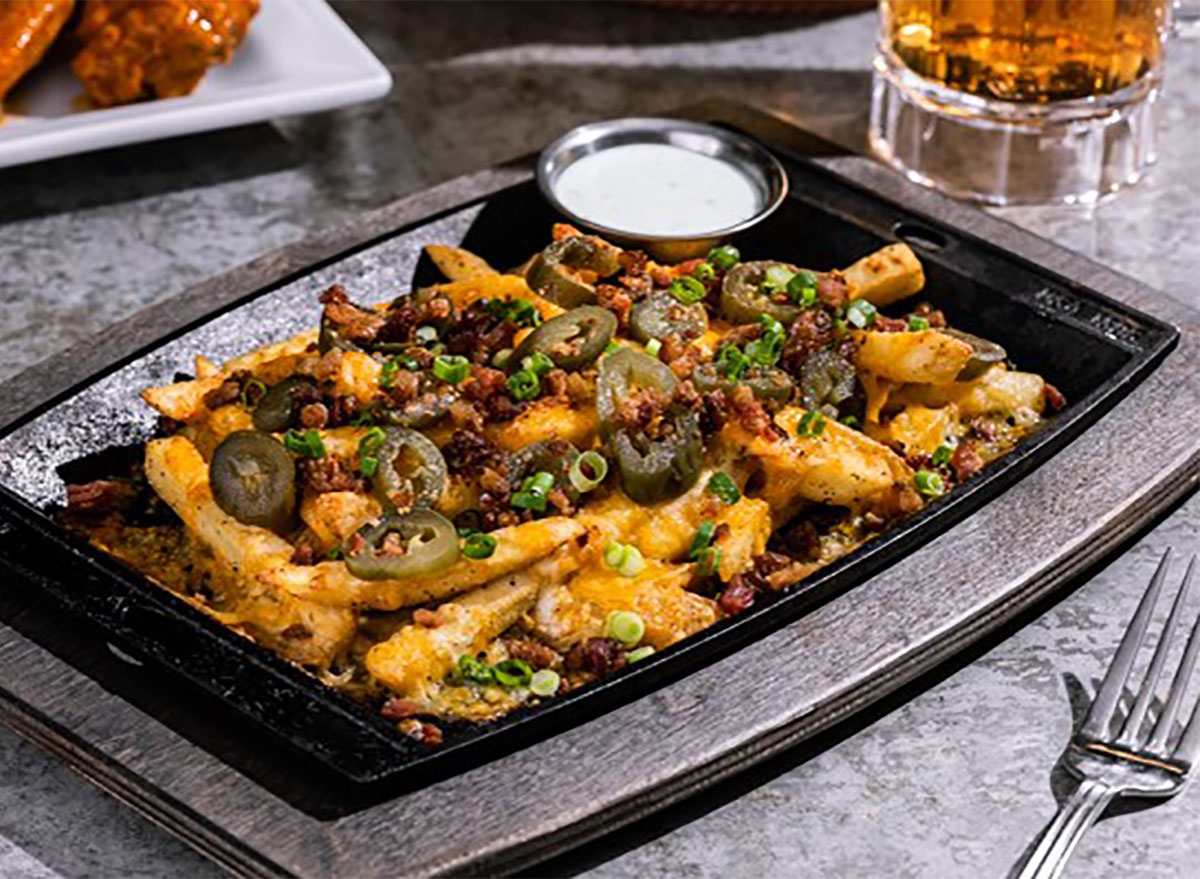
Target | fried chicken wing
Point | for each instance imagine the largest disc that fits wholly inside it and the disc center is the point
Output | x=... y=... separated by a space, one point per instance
x=156 y=48
x=27 y=28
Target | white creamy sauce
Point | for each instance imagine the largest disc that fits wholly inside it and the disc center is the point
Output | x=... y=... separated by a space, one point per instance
x=657 y=189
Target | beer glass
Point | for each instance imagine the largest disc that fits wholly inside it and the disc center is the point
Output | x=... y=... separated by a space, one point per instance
x=1019 y=101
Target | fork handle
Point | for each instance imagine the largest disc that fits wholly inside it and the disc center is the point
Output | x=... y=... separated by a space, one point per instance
x=1074 y=817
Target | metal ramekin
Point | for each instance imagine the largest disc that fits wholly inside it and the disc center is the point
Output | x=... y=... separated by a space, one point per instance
x=762 y=168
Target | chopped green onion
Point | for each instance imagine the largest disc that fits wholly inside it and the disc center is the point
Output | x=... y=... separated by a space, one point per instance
x=687 y=290
x=592 y=462
x=426 y=334
x=943 y=454
x=520 y=311
x=611 y=348
x=767 y=348
x=776 y=279
x=479 y=546
x=372 y=441
x=512 y=673
x=724 y=257
x=653 y=347
x=626 y=626
x=248 y=398
x=532 y=495
x=452 y=369
x=709 y=560
x=524 y=385
x=500 y=358
x=850 y=421
x=639 y=654
x=364 y=419
x=625 y=560
x=704 y=273
x=368 y=465
x=732 y=362
x=475 y=671
x=802 y=289
x=545 y=682
x=537 y=363
x=387 y=376
x=861 y=313
x=929 y=483
x=704 y=536
x=839 y=328
x=307 y=443
x=334 y=554
x=724 y=487
x=811 y=424
x=916 y=323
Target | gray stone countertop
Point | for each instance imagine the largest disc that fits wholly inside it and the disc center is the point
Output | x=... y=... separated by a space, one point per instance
x=950 y=779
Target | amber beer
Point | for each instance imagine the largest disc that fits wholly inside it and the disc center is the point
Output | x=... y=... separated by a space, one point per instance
x=1027 y=51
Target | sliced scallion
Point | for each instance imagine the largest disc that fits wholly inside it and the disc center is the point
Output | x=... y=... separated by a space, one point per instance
x=929 y=483
x=625 y=626
x=545 y=682
x=588 y=471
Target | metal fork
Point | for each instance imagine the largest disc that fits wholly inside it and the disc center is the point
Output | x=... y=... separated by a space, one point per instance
x=1131 y=763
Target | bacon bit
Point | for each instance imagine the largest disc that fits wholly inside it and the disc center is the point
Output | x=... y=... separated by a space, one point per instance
x=1055 y=401
x=793 y=573
x=429 y=619
x=936 y=318
x=351 y=321
x=685 y=363
x=465 y=415
x=554 y=383
x=314 y=415
x=600 y=656
x=579 y=390
x=535 y=653
x=398 y=708
x=304 y=554
x=811 y=331
x=355 y=543
x=966 y=461
x=493 y=480
x=749 y=411
x=885 y=324
x=322 y=475
x=832 y=290
x=559 y=499
x=908 y=500
x=616 y=300
x=633 y=261
x=425 y=733
x=343 y=410
x=687 y=267
x=165 y=426
x=661 y=276
x=404 y=388
x=229 y=391
x=563 y=231
x=738 y=596
x=393 y=547
x=329 y=366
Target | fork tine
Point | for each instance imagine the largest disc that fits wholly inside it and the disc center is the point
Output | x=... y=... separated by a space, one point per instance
x=1099 y=716
x=1189 y=743
x=1179 y=684
x=1130 y=730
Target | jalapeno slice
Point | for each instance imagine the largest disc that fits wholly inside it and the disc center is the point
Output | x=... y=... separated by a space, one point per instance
x=660 y=315
x=428 y=543
x=984 y=355
x=253 y=479
x=425 y=411
x=767 y=383
x=572 y=340
x=548 y=456
x=743 y=300
x=279 y=406
x=624 y=372
x=827 y=379
x=555 y=272
x=653 y=471
x=412 y=471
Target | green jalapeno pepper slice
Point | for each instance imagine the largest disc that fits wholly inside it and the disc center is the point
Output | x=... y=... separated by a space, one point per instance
x=430 y=544
x=572 y=340
x=554 y=273
x=827 y=379
x=653 y=471
x=624 y=372
x=548 y=456
x=984 y=355
x=279 y=406
x=253 y=479
x=412 y=471
x=767 y=383
x=660 y=315
x=743 y=300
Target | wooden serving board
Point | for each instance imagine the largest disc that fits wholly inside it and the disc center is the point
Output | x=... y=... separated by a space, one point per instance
x=803 y=678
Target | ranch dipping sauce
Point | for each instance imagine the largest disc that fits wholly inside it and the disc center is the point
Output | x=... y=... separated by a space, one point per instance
x=658 y=189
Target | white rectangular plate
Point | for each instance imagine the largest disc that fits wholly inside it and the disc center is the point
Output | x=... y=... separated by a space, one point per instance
x=298 y=57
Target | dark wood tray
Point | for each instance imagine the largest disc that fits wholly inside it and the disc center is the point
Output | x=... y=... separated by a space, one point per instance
x=529 y=805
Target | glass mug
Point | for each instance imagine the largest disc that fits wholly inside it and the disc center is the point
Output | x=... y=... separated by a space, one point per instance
x=1019 y=101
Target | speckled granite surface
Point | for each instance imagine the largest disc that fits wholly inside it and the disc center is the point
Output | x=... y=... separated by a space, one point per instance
x=953 y=779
